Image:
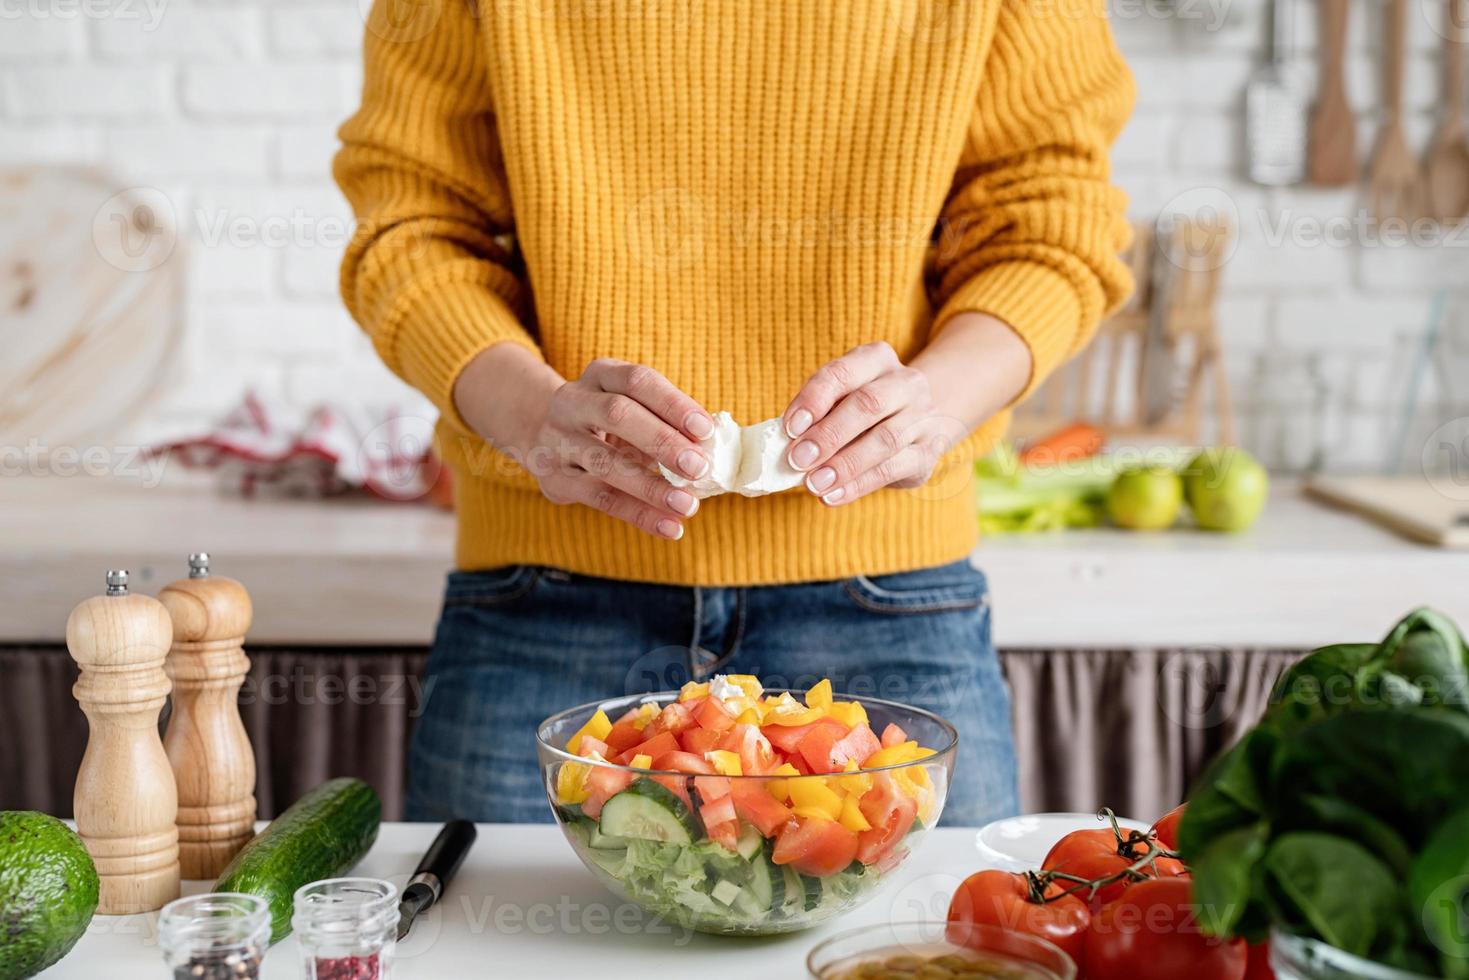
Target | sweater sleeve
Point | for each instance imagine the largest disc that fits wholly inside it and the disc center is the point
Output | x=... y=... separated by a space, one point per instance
x=429 y=273
x=1032 y=229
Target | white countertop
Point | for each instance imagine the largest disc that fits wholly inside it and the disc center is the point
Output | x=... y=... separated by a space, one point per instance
x=370 y=573
x=524 y=908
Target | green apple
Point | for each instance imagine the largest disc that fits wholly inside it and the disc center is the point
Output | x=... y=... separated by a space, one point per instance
x=1145 y=498
x=1226 y=488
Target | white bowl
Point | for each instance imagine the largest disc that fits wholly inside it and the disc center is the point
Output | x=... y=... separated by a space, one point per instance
x=1022 y=843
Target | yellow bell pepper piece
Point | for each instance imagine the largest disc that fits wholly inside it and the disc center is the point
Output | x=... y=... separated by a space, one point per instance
x=597 y=726
x=693 y=690
x=811 y=812
x=907 y=752
x=749 y=717
x=571 y=783
x=725 y=763
x=849 y=713
x=780 y=788
x=641 y=761
x=820 y=695
x=813 y=792
x=748 y=683
x=852 y=817
x=857 y=783
x=787 y=711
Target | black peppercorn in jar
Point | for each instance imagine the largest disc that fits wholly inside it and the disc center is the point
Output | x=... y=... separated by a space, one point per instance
x=216 y=936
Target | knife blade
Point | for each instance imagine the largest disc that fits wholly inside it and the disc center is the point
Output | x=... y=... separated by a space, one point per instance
x=434 y=872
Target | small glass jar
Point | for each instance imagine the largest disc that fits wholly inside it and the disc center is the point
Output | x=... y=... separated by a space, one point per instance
x=1296 y=958
x=215 y=936
x=346 y=928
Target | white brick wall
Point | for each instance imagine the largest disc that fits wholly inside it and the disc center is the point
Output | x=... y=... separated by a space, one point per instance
x=230 y=107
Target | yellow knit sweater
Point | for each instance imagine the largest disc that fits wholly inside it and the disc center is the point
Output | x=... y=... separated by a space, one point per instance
x=733 y=192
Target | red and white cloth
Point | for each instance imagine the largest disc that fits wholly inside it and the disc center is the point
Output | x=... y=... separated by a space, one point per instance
x=270 y=449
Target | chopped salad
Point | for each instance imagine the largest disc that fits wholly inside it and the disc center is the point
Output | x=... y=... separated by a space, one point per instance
x=683 y=833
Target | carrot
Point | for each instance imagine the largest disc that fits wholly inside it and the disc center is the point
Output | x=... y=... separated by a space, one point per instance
x=1077 y=441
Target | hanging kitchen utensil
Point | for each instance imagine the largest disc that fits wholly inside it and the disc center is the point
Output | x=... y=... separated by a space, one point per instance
x=1275 y=113
x=1332 y=145
x=1446 y=168
x=1156 y=395
x=1396 y=185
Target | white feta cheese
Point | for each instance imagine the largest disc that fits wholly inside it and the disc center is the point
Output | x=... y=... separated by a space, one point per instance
x=723 y=448
x=763 y=465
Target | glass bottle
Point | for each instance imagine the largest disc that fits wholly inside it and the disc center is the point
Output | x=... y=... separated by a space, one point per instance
x=215 y=936
x=346 y=928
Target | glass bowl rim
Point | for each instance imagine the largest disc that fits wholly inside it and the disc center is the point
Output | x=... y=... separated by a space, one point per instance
x=591 y=707
x=860 y=931
x=1333 y=958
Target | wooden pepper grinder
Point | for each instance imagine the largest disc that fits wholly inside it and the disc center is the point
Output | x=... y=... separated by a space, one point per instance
x=206 y=741
x=126 y=801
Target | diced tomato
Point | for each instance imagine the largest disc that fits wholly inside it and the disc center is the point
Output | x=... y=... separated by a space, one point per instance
x=756 y=755
x=719 y=810
x=683 y=762
x=652 y=748
x=624 y=735
x=857 y=745
x=819 y=745
x=799 y=764
x=603 y=783
x=891 y=813
x=693 y=703
x=725 y=834
x=673 y=718
x=893 y=735
x=677 y=785
x=588 y=745
x=787 y=739
x=711 y=714
x=755 y=805
x=712 y=787
x=815 y=846
x=699 y=740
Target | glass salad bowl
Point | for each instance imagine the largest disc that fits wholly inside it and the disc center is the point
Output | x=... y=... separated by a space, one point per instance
x=745 y=815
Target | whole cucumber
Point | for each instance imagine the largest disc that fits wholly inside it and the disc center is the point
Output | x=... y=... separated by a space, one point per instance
x=322 y=835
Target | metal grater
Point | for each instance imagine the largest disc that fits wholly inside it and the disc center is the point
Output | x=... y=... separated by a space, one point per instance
x=1275 y=111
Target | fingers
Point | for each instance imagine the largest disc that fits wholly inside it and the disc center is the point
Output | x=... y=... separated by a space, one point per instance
x=570 y=488
x=865 y=409
x=910 y=467
x=629 y=471
x=652 y=390
x=834 y=381
x=881 y=442
x=631 y=422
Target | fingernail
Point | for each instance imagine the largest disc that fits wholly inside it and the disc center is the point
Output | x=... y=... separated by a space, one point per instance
x=692 y=463
x=804 y=455
x=835 y=496
x=699 y=425
x=822 y=479
x=800 y=422
x=682 y=502
x=670 y=529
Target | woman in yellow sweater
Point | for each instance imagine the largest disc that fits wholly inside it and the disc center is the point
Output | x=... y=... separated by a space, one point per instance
x=587 y=226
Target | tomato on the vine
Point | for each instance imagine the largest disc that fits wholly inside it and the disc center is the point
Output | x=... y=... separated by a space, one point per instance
x=1166 y=829
x=1094 y=854
x=1259 y=964
x=1013 y=902
x=1152 y=933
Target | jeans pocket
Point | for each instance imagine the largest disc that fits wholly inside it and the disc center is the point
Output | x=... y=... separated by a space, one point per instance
x=947 y=588
x=491 y=587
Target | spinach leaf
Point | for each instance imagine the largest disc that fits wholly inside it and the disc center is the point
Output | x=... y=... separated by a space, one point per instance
x=1334 y=889
x=1344 y=819
x=1439 y=888
x=1224 y=878
x=1426 y=651
x=1322 y=684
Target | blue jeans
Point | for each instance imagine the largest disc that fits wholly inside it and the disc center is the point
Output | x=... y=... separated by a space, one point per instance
x=520 y=643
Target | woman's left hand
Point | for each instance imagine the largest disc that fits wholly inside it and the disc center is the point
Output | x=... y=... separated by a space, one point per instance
x=863 y=422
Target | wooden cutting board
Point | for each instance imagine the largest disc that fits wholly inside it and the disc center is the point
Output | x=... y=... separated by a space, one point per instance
x=1411 y=506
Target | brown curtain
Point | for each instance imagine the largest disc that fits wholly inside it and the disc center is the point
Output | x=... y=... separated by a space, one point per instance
x=1127 y=729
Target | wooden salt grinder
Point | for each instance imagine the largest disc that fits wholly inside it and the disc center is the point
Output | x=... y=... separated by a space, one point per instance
x=206 y=741
x=125 y=802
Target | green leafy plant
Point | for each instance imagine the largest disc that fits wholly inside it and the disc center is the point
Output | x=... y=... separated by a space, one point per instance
x=1344 y=814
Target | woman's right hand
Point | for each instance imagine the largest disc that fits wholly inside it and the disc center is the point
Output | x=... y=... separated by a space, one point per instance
x=596 y=440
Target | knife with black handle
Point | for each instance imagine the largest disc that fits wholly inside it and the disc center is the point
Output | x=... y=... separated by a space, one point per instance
x=434 y=872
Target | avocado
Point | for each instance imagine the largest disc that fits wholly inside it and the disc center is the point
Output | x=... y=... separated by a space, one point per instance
x=48 y=892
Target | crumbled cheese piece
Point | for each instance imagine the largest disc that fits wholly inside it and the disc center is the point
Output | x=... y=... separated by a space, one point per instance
x=749 y=460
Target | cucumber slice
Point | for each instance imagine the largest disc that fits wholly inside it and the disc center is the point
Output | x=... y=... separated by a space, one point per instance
x=604 y=842
x=793 y=900
x=648 y=811
x=766 y=885
x=812 y=890
x=609 y=860
x=750 y=842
